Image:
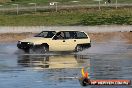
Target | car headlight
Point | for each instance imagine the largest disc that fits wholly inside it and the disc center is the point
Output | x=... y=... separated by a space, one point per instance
x=30 y=43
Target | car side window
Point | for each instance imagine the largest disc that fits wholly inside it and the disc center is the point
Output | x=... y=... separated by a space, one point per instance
x=59 y=36
x=81 y=35
x=70 y=34
x=67 y=35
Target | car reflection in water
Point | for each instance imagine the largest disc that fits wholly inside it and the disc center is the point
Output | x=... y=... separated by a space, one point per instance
x=52 y=62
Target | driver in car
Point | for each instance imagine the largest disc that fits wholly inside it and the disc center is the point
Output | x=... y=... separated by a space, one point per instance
x=60 y=35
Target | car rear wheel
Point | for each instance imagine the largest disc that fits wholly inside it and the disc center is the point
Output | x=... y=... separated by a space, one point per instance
x=78 y=48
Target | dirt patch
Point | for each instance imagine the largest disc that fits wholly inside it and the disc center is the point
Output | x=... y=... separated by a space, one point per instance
x=13 y=37
x=112 y=37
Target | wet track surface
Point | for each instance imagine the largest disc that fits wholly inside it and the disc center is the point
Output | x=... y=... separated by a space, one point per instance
x=105 y=60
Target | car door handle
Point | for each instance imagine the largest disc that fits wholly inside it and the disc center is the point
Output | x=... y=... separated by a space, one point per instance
x=64 y=41
x=74 y=40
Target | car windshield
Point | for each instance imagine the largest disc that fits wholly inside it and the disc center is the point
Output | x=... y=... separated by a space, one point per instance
x=46 y=34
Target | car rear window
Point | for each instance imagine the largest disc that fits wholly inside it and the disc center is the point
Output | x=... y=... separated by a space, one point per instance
x=81 y=35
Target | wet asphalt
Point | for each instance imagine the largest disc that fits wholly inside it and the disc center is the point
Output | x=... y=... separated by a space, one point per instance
x=104 y=60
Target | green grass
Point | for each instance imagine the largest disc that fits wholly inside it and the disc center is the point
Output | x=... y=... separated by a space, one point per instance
x=122 y=16
x=39 y=19
x=108 y=17
x=76 y=16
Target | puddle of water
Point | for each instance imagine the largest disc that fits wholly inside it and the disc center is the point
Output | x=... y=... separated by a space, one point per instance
x=106 y=60
x=39 y=71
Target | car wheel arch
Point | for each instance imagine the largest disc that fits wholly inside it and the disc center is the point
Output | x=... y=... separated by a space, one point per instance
x=45 y=44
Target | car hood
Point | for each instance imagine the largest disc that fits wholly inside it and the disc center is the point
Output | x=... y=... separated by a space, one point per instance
x=36 y=40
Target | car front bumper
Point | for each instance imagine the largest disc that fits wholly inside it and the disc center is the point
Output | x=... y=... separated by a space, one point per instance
x=24 y=45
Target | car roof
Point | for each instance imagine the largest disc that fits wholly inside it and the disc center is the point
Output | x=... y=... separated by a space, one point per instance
x=64 y=30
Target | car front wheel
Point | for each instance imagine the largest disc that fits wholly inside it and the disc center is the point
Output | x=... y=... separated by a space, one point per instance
x=44 y=49
x=41 y=49
x=26 y=50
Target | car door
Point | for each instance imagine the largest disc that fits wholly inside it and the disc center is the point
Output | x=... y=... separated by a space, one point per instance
x=61 y=42
x=70 y=42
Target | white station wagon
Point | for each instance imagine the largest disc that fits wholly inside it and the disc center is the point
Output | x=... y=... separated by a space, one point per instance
x=56 y=41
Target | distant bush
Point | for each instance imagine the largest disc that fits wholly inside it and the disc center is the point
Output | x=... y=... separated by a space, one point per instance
x=93 y=19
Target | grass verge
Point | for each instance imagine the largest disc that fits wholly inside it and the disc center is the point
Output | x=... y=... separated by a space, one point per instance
x=83 y=16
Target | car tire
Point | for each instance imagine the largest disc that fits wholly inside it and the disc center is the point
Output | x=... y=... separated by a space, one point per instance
x=78 y=48
x=26 y=50
x=41 y=49
x=45 y=49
